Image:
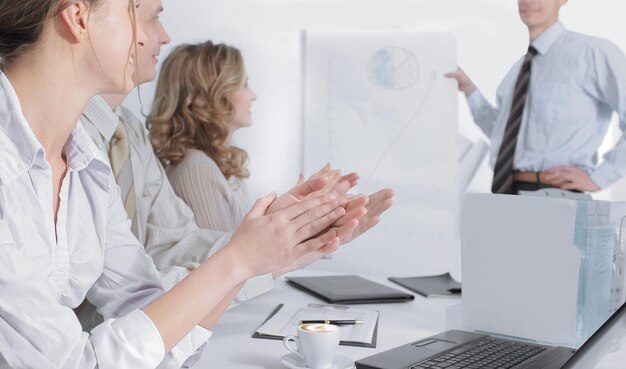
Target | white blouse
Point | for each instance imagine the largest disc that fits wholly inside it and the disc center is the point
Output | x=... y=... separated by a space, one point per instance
x=216 y=202
x=46 y=270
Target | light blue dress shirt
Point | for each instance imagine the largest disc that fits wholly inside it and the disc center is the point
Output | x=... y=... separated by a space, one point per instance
x=577 y=82
x=47 y=269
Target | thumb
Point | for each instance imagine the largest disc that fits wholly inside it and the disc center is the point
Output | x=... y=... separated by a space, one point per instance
x=260 y=206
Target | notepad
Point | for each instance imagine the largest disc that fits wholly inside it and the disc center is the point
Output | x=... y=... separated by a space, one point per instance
x=348 y=289
x=437 y=285
x=284 y=320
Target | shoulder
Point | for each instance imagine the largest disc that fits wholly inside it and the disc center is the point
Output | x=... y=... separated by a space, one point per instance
x=198 y=164
x=590 y=46
x=197 y=158
x=134 y=124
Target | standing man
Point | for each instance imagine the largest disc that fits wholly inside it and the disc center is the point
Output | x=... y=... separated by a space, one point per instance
x=554 y=108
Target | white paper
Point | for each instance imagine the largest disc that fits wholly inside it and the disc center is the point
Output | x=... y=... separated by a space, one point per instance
x=377 y=102
x=470 y=162
x=286 y=320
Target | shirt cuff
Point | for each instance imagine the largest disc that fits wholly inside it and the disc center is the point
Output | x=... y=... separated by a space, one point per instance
x=131 y=341
x=190 y=345
x=605 y=175
x=475 y=99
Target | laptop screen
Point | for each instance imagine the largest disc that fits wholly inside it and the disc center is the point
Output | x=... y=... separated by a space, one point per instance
x=600 y=343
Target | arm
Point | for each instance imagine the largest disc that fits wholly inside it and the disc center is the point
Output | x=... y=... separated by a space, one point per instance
x=39 y=332
x=203 y=187
x=129 y=280
x=605 y=81
x=166 y=226
x=262 y=244
x=177 y=245
x=485 y=115
x=608 y=83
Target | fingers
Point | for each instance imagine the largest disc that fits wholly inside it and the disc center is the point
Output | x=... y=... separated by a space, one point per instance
x=351 y=178
x=559 y=176
x=300 y=179
x=325 y=243
x=322 y=171
x=380 y=202
x=260 y=206
x=312 y=223
x=346 y=231
x=299 y=208
x=571 y=186
x=308 y=187
x=354 y=210
x=340 y=189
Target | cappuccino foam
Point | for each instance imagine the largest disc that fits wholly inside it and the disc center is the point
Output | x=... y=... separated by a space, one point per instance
x=318 y=327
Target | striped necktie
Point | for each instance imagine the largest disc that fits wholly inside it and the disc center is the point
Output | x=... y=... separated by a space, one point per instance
x=503 y=171
x=119 y=155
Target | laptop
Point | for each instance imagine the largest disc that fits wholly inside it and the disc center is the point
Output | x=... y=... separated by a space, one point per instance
x=460 y=349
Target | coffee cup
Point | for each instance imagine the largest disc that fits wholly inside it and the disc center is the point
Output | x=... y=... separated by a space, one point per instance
x=316 y=344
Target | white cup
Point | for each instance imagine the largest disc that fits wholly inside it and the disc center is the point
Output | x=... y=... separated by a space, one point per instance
x=316 y=343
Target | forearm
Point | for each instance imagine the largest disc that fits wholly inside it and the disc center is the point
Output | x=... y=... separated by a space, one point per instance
x=196 y=297
x=485 y=115
x=216 y=313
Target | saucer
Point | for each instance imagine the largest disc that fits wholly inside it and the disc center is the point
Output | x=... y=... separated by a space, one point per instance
x=294 y=361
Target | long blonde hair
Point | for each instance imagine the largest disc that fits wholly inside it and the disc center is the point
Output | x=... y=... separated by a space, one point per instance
x=192 y=106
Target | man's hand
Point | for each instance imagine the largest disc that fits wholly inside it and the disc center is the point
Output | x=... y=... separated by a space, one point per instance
x=357 y=220
x=298 y=193
x=378 y=203
x=333 y=177
x=570 y=178
x=465 y=83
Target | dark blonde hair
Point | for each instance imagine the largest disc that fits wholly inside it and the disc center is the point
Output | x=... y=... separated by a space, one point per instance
x=22 y=22
x=192 y=106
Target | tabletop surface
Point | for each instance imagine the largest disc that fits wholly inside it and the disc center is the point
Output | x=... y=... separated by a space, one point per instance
x=233 y=347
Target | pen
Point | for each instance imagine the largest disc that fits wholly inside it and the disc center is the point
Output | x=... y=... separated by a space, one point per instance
x=334 y=322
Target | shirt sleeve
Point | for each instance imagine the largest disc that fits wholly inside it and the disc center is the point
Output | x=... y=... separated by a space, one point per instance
x=36 y=331
x=173 y=239
x=606 y=81
x=172 y=236
x=130 y=281
x=485 y=115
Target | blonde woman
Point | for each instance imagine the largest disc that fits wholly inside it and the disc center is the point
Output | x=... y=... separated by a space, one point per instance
x=64 y=235
x=202 y=98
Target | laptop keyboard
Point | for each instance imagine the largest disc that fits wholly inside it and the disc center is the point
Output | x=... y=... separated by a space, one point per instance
x=488 y=353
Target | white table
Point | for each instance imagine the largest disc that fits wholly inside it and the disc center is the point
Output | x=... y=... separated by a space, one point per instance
x=232 y=347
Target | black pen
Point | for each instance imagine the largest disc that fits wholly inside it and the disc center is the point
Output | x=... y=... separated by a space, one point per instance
x=334 y=322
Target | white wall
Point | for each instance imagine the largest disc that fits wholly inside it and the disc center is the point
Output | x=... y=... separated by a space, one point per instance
x=489 y=34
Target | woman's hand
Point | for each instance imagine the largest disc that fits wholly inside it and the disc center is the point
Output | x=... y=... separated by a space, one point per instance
x=267 y=242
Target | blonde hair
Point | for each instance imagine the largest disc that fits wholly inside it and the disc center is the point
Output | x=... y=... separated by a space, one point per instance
x=192 y=106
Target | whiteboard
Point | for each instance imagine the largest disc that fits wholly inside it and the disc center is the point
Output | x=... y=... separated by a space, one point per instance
x=377 y=102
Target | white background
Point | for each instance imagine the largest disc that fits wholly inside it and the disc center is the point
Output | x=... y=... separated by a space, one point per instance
x=489 y=34
x=490 y=38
